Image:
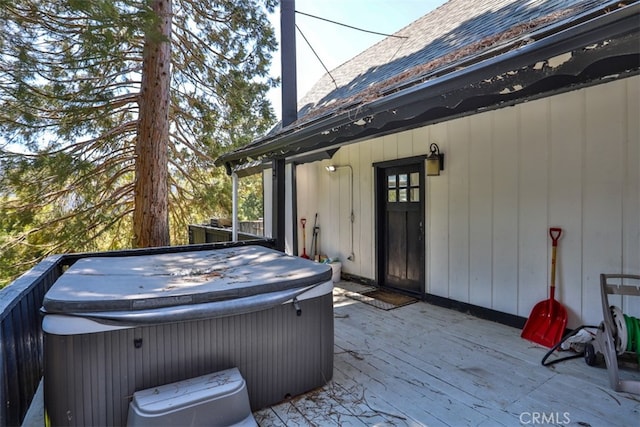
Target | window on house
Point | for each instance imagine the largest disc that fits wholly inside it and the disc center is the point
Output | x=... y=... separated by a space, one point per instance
x=403 y=188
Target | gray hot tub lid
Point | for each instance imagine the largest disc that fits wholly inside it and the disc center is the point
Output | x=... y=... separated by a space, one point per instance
x=102 y=284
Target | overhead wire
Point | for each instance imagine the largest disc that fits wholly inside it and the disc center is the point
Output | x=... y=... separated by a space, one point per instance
x=317 y=56
x=350 y=26
x=343 y=25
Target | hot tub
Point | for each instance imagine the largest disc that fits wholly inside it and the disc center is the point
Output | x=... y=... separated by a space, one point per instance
x=113 y=326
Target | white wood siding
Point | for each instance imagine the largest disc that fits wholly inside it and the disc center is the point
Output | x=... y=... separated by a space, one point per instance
x=267 y=192
x=572 y=161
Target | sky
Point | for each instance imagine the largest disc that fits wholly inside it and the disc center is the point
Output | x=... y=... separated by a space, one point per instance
x=336 y=44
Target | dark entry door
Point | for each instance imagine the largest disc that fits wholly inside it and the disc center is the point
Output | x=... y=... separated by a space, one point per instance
x=401 y=227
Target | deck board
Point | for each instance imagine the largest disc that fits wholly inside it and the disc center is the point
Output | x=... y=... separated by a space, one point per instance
x=423 y=365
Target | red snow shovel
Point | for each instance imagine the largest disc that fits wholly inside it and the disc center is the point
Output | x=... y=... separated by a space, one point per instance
x=303 y=222
x=548 y=318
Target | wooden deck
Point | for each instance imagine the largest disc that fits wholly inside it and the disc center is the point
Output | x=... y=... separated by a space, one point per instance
x=424 y=365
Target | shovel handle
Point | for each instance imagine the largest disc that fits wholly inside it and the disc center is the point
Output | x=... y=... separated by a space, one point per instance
x=554 y=233
x=303 y=221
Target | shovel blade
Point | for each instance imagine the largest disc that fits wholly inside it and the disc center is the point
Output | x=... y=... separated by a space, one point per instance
x=546 y=324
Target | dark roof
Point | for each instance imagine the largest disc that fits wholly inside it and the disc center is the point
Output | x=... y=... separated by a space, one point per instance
x=455 y=25
x=458 y=59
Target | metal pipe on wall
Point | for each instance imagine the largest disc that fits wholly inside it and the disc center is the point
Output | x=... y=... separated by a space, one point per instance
x=352 y=217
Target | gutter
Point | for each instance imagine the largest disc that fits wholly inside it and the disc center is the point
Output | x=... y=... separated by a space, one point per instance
x=330 y=131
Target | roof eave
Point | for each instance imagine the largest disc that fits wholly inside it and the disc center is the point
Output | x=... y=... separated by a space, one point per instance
x=525 y=73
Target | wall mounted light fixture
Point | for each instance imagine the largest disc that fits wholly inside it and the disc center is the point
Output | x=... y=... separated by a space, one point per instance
x=435 y=160
x=352 y=218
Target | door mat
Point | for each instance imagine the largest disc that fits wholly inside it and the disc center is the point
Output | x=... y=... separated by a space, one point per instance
x=384 y=300
x=354 y=287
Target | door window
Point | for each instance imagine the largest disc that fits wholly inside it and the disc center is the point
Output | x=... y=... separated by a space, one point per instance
x=403 y=188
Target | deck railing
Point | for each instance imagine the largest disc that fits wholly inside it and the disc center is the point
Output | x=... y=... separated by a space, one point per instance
x=209 y=234
x=21 y=337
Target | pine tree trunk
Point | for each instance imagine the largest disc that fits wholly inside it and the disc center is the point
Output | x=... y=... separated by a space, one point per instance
x=151 y=211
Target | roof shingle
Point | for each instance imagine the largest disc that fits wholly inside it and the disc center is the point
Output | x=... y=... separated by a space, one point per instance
x=451 y=27
x=464 y=57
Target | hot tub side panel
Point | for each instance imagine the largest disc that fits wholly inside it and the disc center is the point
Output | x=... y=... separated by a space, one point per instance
x=90 y=378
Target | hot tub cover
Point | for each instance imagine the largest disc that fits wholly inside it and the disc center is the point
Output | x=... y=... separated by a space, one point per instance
x=179 y=286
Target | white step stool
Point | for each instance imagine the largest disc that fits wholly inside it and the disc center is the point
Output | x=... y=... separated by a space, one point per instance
x=218 y=399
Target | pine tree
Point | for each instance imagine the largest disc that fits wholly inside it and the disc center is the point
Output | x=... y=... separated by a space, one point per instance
x=101 y=146
x=150 y=213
